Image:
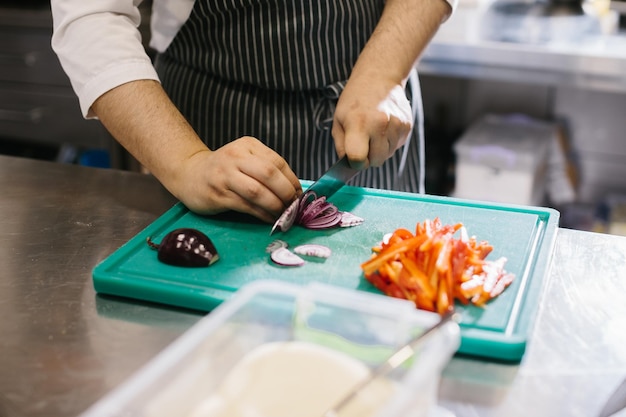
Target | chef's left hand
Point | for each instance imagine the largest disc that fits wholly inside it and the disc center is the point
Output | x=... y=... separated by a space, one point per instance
x=372 y=120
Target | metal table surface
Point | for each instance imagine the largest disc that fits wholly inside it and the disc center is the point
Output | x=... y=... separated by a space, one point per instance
x=62 y=347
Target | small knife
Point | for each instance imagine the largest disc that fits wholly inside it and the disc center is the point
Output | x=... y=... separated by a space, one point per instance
x=336 y=177
x=616 y=402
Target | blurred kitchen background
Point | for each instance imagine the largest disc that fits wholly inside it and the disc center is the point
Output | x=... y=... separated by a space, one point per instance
x=524 y=101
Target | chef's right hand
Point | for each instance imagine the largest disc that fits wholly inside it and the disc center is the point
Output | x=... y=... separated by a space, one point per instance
x=243 y=175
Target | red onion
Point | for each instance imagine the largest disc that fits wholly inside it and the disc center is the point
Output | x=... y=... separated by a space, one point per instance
x=314 y=213
x=286 y=220
x=317 y=213
x=311 y=249
x=185 y=247
x=277 y=244
x=348 y=219
x=284 y=257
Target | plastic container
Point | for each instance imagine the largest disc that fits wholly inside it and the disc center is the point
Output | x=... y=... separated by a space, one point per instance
x=364 y=326
x=504 y=159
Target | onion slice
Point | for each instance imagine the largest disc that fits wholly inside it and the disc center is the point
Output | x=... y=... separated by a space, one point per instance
x=318 y=251
x=286 y=220
x=276 y=244
x=317 y=213
x=314 y=212
x=284 y=257
x=348 y=219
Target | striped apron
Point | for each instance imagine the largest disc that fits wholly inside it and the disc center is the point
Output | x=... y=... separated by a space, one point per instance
x=274 y=69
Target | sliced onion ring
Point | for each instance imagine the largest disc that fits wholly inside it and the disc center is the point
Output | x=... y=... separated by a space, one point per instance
x=284 y=257
x=324 y=222
x=348 y=219
x=314 y=212
x=286 y=220
x=276 y=244
x=318 y=251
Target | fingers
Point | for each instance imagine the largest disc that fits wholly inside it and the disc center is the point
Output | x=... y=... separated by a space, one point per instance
x=266 y=187
x=368 y=143
x=244 y=176
x=371 y=141
x=248 y=195
x=263 y=181
x=354 y=144
x=369 y=129
x=270 y=170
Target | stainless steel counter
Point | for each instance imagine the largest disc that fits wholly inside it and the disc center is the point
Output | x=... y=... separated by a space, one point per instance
x=576 y=51
x=62 y=347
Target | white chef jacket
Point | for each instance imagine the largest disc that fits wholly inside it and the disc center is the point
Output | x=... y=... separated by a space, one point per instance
x=100 y=48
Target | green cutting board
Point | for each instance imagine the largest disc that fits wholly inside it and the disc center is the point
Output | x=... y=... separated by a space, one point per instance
x=524 y=235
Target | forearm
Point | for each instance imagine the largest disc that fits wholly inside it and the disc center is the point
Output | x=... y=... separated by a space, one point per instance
x=403 y=32
x=243 y=175
x=144 y=121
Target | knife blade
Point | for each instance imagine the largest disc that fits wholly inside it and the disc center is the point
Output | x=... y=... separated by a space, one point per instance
x=616 y=402
x=336 y=177
x=328 y=184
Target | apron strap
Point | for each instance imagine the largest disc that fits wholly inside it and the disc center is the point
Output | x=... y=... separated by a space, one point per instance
x=417 y=107
x=325 y=108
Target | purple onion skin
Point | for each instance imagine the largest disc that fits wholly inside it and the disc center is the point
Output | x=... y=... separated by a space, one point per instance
x=186 y=247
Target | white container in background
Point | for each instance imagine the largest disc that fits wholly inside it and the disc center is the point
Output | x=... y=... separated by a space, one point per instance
x=363 y=326
x=504 y=159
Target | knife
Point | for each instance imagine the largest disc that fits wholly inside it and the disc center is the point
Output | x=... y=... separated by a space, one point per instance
x=336 y=177
x=616 y=402
x=398 y=357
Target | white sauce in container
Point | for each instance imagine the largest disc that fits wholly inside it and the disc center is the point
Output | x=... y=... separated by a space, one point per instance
x=294 y=379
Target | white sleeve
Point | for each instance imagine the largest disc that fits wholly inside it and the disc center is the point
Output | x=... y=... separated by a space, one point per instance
x=168 y=16
x=99 y=46
x=453 y=4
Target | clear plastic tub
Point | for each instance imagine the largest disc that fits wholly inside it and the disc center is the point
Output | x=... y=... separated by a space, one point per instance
x=366 y=327
x=504 y=159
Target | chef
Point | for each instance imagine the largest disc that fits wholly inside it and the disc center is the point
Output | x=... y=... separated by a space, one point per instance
x=247 y=96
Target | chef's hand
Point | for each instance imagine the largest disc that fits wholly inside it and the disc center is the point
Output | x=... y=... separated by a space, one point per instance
x=372 y=120
x=243 y=175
